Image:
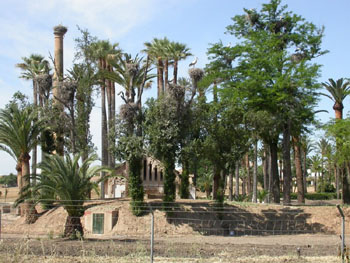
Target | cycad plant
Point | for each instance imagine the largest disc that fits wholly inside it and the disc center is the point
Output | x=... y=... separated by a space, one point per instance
x=70 y=182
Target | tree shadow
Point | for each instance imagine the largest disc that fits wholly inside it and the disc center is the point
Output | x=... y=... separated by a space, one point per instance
x=230 y=220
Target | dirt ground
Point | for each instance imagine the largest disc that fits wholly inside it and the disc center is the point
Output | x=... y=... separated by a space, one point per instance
x=193 y=217
x=180 y=236
x=204 y=247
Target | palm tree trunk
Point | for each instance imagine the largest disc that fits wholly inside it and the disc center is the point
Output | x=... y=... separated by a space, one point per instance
x=315 y=182
x=243 y=186
x=298 y=170
x=237 y=179
x=72 y=131
x=346 y=184
x=19 y=175
x=160 y=77
x=255 y=172
x=109 y=106
x=249 y=179
x=230 y=185
x=287 y=171
x=104 y=134
x=166 y=75
x=175 y=71
x=339 y=113
x=336 y=174
x=29 y=210
x=274 y=177
x=216 y=182
x=72 y=226
x=338 y=108
x=266 y=169
x=322 y=172
x=112 y=125
x=305 y=172
x=34 y=151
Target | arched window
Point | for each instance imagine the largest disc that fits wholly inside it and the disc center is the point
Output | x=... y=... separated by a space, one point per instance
x=145 y=170
x=155 y=174
x=150 y=171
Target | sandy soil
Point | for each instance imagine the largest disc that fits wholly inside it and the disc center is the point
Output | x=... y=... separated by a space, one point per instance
x=182 y=235
x=196 y=217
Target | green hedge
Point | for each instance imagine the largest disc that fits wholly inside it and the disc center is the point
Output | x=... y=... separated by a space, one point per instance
x=316 y=196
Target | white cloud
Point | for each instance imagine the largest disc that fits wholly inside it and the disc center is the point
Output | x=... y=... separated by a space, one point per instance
x=110 y=18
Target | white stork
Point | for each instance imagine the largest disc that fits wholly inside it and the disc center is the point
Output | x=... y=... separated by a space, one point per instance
x=194 y=62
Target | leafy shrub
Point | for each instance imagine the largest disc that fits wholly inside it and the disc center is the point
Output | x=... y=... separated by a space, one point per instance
x=262 y=195
x=316 y=196
x=325 y=187
x=9 y=180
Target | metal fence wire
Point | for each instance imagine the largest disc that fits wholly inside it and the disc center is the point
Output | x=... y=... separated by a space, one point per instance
x=102 y=220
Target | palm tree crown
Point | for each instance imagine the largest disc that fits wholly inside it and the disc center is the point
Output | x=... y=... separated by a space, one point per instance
x=338 y=91
x=32 y=66
x=19 y=130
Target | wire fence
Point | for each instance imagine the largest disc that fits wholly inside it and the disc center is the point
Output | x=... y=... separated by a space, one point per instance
x=164 y=228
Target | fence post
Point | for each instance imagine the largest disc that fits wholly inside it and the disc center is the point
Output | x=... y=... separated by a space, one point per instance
x=152 y=234
x=0 y=221
x=342 y=232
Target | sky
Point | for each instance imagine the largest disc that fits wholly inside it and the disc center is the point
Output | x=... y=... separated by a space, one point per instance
x=26 y=27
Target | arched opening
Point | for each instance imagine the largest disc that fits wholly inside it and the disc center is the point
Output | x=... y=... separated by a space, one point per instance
x=150 y=171
x=145 y=170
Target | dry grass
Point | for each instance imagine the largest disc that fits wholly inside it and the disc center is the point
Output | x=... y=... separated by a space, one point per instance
x=23 y=252
x=140 y=259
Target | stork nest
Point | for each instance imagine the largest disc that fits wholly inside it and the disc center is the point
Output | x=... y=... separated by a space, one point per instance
x=297 y=57
x=67 y=90
x=196 y=74
x=128 y=111
x=252 y=18
x=176 y=91
x=60 y=30
x=132 y=68
x=44 y=82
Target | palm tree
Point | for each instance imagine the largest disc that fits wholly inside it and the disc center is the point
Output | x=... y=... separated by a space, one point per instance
x=323 y=147
x=316 y=168
x=164 y=53
x=306 y=147
x=132 y=75
x=101 y=50
x=129 y=73
x=156 y=51
x=298 y=169
x=178 y=51
x=19 y=131
x=338 y=90
x=32 y=67
x=205 y=182
x=70 y=182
